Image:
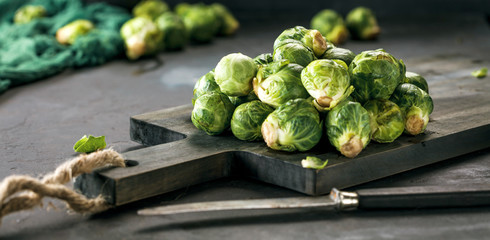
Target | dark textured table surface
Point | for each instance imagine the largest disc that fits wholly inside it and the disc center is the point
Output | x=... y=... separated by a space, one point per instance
x=40 y=122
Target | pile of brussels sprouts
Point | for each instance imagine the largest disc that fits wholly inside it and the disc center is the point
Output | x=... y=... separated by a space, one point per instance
x=360 y=23
x=155 y=27
x=308 y=88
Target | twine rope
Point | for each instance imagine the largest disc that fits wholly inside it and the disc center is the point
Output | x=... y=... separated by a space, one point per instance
x=20 y=192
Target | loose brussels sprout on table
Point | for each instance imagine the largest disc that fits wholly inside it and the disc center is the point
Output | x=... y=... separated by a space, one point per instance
x=387 y=122
x=174 y=31
x=228 y=23
x=362 y=23
x=416 y=105
x=328 y=82
x=293 y=126
x=150 y=9
x=417 y=80
x=234 y=74
x=331 y=25
x=337 y=53
x=200 y=20
x=247 y=120
x=28 y=13
x=70 y=32
x=212 y=113
x=278 y=82
x=348 y=128
x=141 y=37
x=375 y=74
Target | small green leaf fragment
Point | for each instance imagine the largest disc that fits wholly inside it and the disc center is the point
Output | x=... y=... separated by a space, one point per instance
x=313 y=162
x=480 y=73
x=89 y=144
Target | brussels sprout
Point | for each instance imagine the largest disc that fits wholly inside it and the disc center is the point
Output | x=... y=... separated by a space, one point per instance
x=294 y=126
x=150 y=9
x=212 y=113
x=343 y=54
x=237 y=101
x=228 y=23
x=248 y=118
x=174 y=31
x=279 y=82
x=311 y=38
x=200 y=21
x=417 y=80
x=375 y=74
x=205 y=84
x=348 y=128
x=141 y=37
x=331 y=25
x=234 y=74
x=295 y=52
x=181 y=8
x=387 y=121
x=264 y=58
x=28 y=13
x=328 y=82
x=362 y=24
x=416 y=106
x=71 y=31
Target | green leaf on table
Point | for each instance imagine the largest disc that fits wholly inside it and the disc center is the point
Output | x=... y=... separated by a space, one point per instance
x=89 y=144
x=314 y=162
x=481 y=73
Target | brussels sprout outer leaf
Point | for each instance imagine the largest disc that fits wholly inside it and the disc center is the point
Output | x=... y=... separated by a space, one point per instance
x=89 y=144
x=343 y=54
x=264 y=58
x=295 y=52
x=279 y=82
x=348 y=128
x=327 y=81
x=248 y=118
x=416 y=105
x=205 y=84
x=387 y=122
x=481 y=73
x=294 y=126
x=234 y=74
x=417 y=80
x=314 y=163
x=212 y=113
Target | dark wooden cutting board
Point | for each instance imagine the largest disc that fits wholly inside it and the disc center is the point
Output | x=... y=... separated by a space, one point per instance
x=180 y=155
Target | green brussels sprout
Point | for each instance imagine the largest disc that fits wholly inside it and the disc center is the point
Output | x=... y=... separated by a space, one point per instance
x=294 y=126
x=201 y=22
x=237 y=101
x=212 y=113
x=205 y=84
x=295 y=52
x=331 y=25
x=150 y=9
x=328 y=82
x=234 y=74
x=343 y=54
x=174 y=31
x=28 y=13
x=247 y=120
x=181 y=8
x=278 y=82
x=387 y=122
x=417 y=80
x=141 y=37
x=416 y=106
x=264 y=58
x=310 y=38
x=228 y=23
x=71 y=31
x=362 y=24
x=375 y=74
x=348 y=128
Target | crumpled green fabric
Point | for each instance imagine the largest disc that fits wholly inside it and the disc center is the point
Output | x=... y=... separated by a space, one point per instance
x=30 y=52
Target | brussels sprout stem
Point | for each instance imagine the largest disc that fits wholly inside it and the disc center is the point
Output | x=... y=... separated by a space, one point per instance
x=324 y=101
x=414 y=125
x=269 y=134
x=351 y=148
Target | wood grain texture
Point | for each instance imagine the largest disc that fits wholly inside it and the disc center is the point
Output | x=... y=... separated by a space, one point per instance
x=180 y=155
